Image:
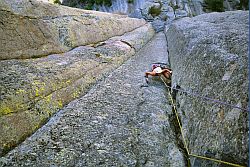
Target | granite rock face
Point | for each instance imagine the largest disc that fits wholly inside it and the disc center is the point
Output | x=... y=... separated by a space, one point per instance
x=34 y=29
x=117 y=123
x=169 y=9
x=208 y=55
x=34 y=89
x=166 y=10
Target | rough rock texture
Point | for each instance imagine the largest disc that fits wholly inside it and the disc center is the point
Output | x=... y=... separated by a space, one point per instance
x=196 y=7
x=118 y=123
x=158 y=25
x=169 y=9
x=34 y=89
x=122 y=6
x=208 y=55
x=34 y=29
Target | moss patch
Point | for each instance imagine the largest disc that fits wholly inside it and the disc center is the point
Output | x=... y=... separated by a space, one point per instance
x=215 y=5
x=154 y=11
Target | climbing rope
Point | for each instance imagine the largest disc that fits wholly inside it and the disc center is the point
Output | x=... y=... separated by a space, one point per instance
x=183 y=136
x=179 y=122
x=207 y=98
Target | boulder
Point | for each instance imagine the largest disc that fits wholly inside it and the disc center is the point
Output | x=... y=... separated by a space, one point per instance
x=136 y=14
x=180 y=13
x=34 y=29
x=196 y=7
x=170 y=16
x=209 y=56
x=137 y=38
x=150 y=7
x=158 y=25
x=32 y=90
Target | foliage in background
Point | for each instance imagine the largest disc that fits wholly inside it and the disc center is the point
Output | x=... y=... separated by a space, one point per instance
x=154 y=10
x=57 y=2
x=215 y=5
x=244 y=4
x=87 y=4
x=70 y=3
x=130 y=1
x=218 y=6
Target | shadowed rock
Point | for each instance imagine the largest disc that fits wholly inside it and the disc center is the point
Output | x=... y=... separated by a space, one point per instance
x=208 y=55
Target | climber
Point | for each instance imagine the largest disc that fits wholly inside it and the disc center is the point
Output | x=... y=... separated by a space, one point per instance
x=159 y=69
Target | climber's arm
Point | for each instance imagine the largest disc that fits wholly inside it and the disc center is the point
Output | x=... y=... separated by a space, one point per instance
x=152 y=73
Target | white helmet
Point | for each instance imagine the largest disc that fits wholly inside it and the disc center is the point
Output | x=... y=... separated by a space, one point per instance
x=158 y=70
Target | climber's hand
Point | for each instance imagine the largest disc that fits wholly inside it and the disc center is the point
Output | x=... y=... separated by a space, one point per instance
x=146 y=78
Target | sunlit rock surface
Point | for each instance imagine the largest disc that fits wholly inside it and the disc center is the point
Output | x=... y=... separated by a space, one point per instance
x=117 y=123
x=34 y=29
x=34 y=89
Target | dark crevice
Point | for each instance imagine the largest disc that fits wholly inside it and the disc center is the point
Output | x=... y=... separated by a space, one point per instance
x=168 y=51
x=127 y=44
x=174 y=125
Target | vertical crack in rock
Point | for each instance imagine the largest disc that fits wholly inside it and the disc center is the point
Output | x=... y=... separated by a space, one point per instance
x=34 y=89
x=204 y=51
x=174 y=122
x=176 y=129
x=117 y=123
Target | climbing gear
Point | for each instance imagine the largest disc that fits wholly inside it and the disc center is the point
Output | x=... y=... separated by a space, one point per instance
x=146 y=78
x=208 y=98
x=183 y=136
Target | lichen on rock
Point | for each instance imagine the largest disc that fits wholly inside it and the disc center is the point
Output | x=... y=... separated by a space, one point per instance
x=33 y=88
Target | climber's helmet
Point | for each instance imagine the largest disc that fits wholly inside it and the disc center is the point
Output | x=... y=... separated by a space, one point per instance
x=158 y=70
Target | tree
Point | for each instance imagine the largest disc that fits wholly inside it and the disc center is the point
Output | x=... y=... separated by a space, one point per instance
x=57 y=1
x=215 y=5
x=244 y=4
